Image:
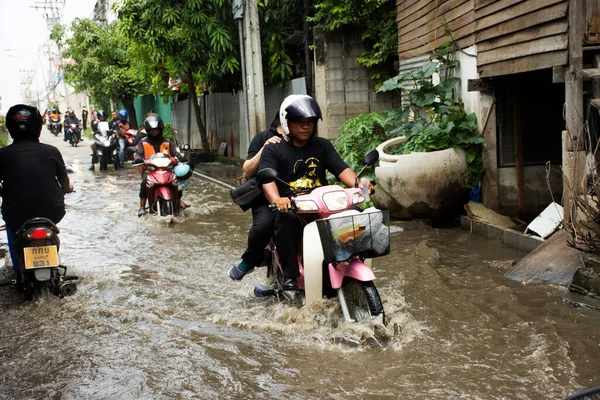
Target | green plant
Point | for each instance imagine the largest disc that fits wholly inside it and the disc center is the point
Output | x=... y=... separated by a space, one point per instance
x=432 y=117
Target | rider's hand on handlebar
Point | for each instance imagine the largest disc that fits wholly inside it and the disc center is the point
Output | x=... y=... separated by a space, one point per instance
x=369 y=185
x=283 y=204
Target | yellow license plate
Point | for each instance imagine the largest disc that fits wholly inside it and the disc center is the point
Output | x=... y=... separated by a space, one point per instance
x=41 y=257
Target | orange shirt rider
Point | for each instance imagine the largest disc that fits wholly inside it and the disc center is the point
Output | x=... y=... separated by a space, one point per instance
x=146 y=148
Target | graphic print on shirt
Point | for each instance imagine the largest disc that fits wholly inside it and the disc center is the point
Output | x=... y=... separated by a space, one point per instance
x=309 y=179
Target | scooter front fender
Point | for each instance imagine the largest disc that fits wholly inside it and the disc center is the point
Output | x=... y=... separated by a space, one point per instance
x=313 y=264
x=354 y=269
x=163 y=192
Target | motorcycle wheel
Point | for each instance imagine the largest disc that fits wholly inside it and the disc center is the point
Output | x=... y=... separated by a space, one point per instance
x=362 y=299
x=165 y=207
x=103 y=163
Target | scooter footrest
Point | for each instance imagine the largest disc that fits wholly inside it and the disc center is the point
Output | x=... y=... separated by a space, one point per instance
x=262 y=291
x=70 y=278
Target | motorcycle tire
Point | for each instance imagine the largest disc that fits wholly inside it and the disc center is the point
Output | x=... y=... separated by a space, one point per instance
x=103 y=163
x=165 y=207
x=362 y=299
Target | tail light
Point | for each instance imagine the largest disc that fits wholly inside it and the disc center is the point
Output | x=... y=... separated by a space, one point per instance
x=38 y=233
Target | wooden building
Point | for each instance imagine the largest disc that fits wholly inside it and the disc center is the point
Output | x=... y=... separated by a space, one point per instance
x=526 y=86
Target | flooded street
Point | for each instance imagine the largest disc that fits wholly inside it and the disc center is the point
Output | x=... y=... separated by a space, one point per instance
x=156 y=316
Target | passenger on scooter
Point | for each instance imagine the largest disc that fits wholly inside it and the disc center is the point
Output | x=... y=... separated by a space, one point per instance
x=70 y=119
x=262 y=217
x=101 y=117
x=120 y=127
x=152 y=144
x=33 y=175
x=302 y=162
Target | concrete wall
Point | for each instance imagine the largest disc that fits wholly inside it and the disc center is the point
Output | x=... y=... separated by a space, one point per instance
x=537 y=193
x=343 y=88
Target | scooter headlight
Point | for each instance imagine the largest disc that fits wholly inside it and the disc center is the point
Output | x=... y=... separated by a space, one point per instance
x=335 y=201
x=306 y=205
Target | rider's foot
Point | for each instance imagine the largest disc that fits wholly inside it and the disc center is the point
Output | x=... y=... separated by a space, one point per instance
x=183 y=205
x=91 y=168
x=142 y=211
x=289 y=284
x=238 y=271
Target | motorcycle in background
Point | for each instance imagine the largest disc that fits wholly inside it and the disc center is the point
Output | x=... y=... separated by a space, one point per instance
x=337 y=240
x=130 y=135
x=106 y=147
x=74 y=135
x=55 y=126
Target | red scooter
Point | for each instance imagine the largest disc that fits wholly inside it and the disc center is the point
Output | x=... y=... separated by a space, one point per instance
x=162 y=184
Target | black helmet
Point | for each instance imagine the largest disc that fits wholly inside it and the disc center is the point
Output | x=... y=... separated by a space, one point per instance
x=153 y=121
x=296 y=107
x=101 y=115
x=24 y=122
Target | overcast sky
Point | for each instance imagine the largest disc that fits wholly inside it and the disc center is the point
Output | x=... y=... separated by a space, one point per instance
x=22 y=38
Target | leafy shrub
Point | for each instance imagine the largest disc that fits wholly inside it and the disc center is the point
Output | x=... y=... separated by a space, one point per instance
x=431 y=117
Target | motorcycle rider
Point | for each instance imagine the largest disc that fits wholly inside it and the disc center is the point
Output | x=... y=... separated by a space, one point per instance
x=70 y=119
x=33 y=175
x=302 y=162
x=114 y=121
x=120 y=127
x=55 y=115
x=101 y=117
x=262 y=217
x=152 y=144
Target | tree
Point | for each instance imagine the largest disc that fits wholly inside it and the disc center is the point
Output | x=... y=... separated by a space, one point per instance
x=190 y=38
x=374 y=19
x=102 y=63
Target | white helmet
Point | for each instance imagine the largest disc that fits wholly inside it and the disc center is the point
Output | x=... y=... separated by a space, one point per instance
x=297 y=106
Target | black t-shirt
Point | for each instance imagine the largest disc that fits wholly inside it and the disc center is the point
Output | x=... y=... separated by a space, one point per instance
x=259 y=140
x=29 y=171
x=304 y=168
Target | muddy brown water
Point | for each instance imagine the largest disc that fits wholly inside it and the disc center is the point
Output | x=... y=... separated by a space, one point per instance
x=156 y=316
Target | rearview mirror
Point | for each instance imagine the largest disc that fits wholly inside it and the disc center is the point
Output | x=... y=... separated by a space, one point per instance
x=371 y=157
x=185 y=147
x=266 y=175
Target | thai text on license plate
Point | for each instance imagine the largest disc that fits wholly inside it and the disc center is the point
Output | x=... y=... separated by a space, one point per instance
x=41 y=257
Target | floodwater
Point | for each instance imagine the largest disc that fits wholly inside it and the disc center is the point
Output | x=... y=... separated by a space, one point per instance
x=156 y=316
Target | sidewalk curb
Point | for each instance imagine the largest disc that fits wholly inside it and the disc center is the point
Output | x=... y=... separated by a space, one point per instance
x=509 y=237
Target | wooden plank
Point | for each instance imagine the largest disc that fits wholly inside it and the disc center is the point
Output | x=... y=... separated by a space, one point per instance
x=516 y=11
x=494 y=7
x=426 y=14
x=543 y=45
x=526 y=35
x=404 y=19
x=590 y=73
x=482 y=3
x=524 y=64
x=557 y=11
x=430 y=47
x=404 y=4
x=456 y=14
x=464 y=26
x=412 y=9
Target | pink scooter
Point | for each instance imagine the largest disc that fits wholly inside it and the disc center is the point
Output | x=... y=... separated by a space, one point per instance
x=335 y=247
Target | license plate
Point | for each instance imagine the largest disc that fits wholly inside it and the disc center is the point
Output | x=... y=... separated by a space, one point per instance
x=41 y=257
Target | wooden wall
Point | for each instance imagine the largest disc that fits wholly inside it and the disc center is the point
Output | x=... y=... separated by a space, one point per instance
x=511 y=35
x=520 y=35
x=419 y=25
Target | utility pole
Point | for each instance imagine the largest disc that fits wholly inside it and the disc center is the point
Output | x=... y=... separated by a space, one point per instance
x=254 y=77
x=52 y=12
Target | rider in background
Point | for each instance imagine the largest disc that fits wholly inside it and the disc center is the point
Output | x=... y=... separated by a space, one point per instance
x=262 y=217
x=302 y=162
x=70 y=119
x=33 y=175
x=152 y=144
x=101 y=114
x=120 y=127
x=55 y=115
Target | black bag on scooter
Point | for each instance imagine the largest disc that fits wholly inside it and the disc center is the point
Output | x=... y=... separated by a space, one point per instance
x=248 y=194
